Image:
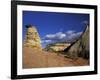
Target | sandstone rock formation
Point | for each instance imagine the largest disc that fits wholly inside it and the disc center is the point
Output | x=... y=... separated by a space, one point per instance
x=56 y=47
x=32 y=38
x=80 y=48
x=35 y=57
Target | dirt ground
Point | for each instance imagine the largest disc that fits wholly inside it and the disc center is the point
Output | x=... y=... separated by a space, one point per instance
x=34 y=58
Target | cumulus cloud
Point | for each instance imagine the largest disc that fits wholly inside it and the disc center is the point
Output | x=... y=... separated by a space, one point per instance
x=59 y=35
x=73 y=36
x=85 y=22
x=70 y=32
x=46 y=41
x=68 y=36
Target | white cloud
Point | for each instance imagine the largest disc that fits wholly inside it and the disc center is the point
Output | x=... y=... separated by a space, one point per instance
x=58 y=35
x=85 y=22
x=70 y=32
x=68 y=36
x=74 y=36
x=50 y=36
x=46 y=41
x=79 y=33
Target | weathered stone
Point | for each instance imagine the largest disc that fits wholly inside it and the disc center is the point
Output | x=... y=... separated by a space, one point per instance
x=32 y=38
x=80 y=48
x=59 y=46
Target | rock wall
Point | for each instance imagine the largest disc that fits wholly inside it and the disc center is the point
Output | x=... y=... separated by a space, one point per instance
x=80 y=48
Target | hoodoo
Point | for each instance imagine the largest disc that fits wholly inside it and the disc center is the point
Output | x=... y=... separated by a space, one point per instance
x=32 y=38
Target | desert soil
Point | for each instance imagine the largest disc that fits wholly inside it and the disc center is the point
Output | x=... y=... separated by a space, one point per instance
x=34 y=58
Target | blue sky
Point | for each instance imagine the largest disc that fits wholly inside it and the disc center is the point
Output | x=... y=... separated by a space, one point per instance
x=55 y=27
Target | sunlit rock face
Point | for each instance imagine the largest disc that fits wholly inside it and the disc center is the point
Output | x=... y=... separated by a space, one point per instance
x=32 y=38
x=80 y=48
x=56 y=47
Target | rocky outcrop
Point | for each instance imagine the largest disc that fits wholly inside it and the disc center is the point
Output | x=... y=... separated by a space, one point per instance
x=35 y=57
x=80 y=48
x=56 y=47
x=32 y=38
